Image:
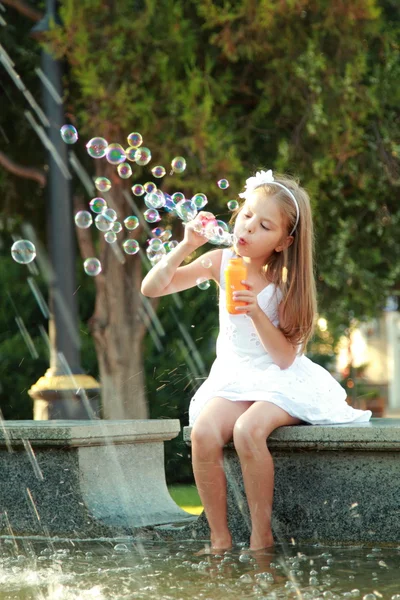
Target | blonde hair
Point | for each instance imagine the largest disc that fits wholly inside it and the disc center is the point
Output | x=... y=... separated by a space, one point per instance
x=292 y=269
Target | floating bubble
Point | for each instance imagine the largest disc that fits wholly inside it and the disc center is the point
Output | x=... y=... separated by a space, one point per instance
x=124 y=170
x=69 y=134
x=130 y=247
x=102 y=184
x=199 y=200
x=130 y=153
x=172 y=244
x=155 y=199
x=186 y=210
x=110 y=237
x=97 y=205
x=152 y=215
x=203 y=283
x=149 y=187
x=223 y=184
x=117 y=227
x=102 y=223
x=155 y=255
x=177 y=197
x=96 y=147
x=178 y=164
x=158 y=171
x=110 y=214
x=142 y=156
x=157 y=231
x=166 y=235
x=23 y=251
x=155 y=244
x=135 y=139
x=169 y=203
x=233 y=204
x=115 y=154
x=137 y=189
x=83 y=219
x=131 y=223
x=206 y=262
x=92 y=266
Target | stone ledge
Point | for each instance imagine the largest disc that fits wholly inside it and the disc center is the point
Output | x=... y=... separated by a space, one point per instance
x=90 y=479
x=377 y=434
x=87 y=433
x=335 y=484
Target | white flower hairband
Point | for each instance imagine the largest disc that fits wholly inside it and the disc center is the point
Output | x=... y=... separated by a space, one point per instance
x=262 y=177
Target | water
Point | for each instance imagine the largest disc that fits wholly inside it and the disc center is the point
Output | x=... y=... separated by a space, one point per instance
x=173 y=571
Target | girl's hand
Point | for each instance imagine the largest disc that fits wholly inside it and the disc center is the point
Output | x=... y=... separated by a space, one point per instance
x=252 y=309
x=193 y=229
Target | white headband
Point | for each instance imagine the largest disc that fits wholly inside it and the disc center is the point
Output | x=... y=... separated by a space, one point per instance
x=262 y=177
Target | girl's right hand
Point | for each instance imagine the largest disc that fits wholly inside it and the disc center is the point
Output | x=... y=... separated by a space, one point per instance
x=192 y=236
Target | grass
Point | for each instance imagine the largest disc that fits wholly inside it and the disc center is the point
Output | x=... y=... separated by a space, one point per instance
x=187 y=497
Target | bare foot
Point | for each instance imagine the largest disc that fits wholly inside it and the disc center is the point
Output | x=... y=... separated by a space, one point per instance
x=217 y=545
x=261 y=543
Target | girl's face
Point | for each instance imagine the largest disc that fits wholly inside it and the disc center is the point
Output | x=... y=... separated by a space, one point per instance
x=259 y=228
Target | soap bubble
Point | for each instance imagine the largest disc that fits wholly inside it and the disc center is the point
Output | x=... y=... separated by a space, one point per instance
x=177 y=197
x=69 y=134
x=142 y=156
x=96 y=147
x=135 y=139
x=115 y=154
x=110 y=214
x=178 y=164
x=102 y=184
x=172 y=244
x=206 y=262
x=131 y=223
x=203 y=283
x=83 y=219
x=233 y=204
x=186 y=210
x=155 y=199
x=130 y=153
x=102 y=223
x=23 y=251
x=155 y=244
x=157 y=231
x=137 y=189
x=110 y=237
x=124 y=170
x=149 y=187
x=152 y=215
x=158 y=171
x=92 y=266
x=130 y=247
x=199 y=200
x=169 y=203
x=117 y=227
x=223 y=184
x=97 y=205
x=155 y=255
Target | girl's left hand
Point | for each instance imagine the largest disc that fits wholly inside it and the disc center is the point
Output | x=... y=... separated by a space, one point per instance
x=252 y=309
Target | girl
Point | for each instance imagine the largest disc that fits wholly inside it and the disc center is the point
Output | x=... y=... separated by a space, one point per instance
x=261 y=378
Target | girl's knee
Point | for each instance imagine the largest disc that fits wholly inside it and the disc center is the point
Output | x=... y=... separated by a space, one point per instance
x=206 y=436
x=248 y=437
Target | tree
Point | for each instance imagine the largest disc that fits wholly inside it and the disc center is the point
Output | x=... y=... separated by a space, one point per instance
x=308 y=89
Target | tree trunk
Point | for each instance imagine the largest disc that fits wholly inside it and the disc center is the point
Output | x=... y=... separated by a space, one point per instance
x=116 y=324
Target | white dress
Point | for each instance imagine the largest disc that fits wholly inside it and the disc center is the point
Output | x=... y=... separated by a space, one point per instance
x=243 y=370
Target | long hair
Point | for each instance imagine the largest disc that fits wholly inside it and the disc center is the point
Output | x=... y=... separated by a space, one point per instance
x=292 y=270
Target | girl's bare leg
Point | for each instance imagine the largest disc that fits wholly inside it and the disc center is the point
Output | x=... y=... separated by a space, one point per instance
x=211 y=431
x=250 y=435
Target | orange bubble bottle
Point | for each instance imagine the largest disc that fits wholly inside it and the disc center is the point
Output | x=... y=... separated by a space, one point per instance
x=235 y=271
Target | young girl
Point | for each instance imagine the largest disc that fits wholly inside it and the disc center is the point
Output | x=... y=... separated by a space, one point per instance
x=261 y=378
